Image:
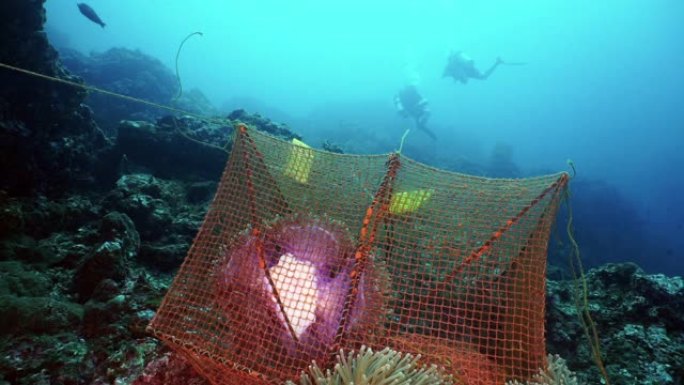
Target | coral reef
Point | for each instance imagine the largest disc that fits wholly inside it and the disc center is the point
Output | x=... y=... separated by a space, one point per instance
x=640 y=321
x=160 y=209
x=74 y=304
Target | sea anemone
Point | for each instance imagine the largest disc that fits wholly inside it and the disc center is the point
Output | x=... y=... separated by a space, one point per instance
x=309 y=262
x=556 y=373
x=375 y=368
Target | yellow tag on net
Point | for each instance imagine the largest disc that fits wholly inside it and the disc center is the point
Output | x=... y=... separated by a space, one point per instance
x=409 y=201
x=299 y=161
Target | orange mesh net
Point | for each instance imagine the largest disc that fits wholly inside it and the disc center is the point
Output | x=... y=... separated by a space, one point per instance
x=304 y=252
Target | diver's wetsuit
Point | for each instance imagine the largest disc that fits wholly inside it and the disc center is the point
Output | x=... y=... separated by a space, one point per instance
x=413 y=105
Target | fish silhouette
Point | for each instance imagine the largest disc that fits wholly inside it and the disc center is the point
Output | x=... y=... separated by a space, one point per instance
x=88 y=12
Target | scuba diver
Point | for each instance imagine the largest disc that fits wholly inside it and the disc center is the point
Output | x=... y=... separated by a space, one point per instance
x=410 y=104
x=461 y=67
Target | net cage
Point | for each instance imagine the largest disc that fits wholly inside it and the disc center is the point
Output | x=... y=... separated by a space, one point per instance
x=305 y=252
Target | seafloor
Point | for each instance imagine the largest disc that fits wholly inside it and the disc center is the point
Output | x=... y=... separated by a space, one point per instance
x=100 y=200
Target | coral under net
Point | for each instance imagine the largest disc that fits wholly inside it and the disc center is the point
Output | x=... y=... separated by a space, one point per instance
x=305 y=252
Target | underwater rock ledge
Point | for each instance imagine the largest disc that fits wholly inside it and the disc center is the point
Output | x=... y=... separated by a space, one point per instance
x=48 y=138
x=639 y=318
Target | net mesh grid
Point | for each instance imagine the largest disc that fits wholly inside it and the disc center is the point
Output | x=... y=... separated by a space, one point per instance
x=305 y=252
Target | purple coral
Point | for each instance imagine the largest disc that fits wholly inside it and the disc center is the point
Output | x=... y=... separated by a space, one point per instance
x=310 y=262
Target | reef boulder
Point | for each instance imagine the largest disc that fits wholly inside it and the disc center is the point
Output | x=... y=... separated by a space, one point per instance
x=640 y=322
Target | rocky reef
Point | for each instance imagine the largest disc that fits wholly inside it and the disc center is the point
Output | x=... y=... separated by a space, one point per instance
x=639 y=320
x=125 y=72
x=135 y=74
x=82 y=275
x=93 y=227
x=48 y=138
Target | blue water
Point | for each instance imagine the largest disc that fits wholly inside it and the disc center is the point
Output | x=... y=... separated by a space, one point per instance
x=603 y=85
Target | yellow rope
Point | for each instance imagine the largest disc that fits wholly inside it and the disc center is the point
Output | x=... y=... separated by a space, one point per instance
x=572 y=165
x=581 y=296
x=403 y=139
x=105 y=92
x=178 y=79
x=125 y=97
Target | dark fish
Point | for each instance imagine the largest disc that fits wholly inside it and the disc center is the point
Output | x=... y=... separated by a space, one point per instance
x=90 y=14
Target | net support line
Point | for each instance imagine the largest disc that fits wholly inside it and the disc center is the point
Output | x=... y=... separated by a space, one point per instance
x=375 y=213
x=256 y=226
